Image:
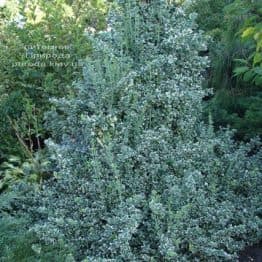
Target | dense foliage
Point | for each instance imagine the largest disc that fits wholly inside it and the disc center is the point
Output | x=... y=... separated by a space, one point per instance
x=139 y=176
x=236 y=68
x=17 y=244
x=136 y=166
x=41 y=47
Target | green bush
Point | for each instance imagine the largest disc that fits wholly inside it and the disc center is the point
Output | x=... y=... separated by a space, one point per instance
x=31 y=31
x=235 y=53
x=139 y=177
x=19 y=245
x=34 y=170
x=241 y=111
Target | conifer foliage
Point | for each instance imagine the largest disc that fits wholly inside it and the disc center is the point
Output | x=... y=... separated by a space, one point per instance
x=139 y=176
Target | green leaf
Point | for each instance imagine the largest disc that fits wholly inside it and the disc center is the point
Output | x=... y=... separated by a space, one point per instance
x=248 y=76
x=241 y=61
x=248 y=32
x=258 y=80
x=258 y=70
x=257 y=58
x=240 y=70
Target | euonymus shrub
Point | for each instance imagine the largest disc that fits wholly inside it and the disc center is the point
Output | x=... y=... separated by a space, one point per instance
x=139 y=177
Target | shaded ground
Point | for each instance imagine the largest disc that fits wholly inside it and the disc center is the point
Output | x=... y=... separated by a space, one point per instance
x=251 y=254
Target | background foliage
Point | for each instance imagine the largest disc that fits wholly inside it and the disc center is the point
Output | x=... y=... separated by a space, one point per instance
x=31 y=31
x=235 y=73
x=25 y=90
